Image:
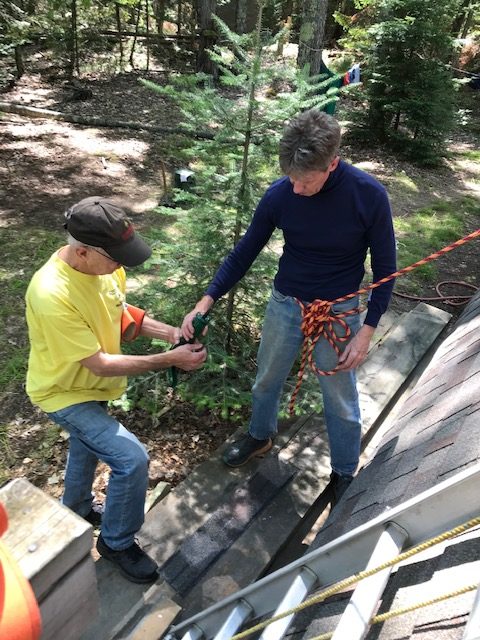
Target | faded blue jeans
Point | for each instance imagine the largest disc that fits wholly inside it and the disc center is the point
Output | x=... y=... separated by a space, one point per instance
x=279 y=346
x=94 y=436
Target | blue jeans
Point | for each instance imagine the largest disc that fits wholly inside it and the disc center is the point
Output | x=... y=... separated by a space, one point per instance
x=94 y=436
x=281 y=340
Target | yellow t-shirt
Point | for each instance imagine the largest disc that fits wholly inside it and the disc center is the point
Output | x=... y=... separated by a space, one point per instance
x=70 y=316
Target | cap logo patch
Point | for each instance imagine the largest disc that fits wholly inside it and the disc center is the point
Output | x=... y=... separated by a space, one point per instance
x=128 y=233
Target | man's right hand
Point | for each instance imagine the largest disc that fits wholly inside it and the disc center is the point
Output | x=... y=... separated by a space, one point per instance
x=202 y=307
x=188 y=357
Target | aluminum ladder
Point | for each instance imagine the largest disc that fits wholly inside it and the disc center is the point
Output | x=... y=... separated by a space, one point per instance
x=445 y=506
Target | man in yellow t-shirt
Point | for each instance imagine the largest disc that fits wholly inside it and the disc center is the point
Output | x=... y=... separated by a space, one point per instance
x=76 y=315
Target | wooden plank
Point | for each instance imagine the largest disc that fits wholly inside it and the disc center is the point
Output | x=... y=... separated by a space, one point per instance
x=156 y=621
x=149 y=616
x=44 y=537
x=70 y=607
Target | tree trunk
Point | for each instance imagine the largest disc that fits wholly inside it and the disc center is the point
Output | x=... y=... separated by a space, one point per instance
x=119 y=29
x=205 y=10
x=72 y=45
x=179 y=17
x=147 y=27
x=459 y=21
x=241 y=16
x=159 y=13
x=98 y=121
x=287 y=10
x=19 y=61
x=312 y=27
x=137 y=23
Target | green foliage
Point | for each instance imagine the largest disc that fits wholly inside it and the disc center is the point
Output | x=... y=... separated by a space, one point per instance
x=428 y=230
x=410 y=90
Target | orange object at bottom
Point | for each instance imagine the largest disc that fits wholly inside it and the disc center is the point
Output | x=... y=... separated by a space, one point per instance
x=19 y=613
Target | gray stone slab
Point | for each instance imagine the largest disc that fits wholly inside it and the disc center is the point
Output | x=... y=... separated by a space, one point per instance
x=383 y=373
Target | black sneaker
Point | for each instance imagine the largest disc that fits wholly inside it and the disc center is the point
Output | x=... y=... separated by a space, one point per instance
x=339 y=484
x=245 y=448
x=94 y=516
x=133 y=562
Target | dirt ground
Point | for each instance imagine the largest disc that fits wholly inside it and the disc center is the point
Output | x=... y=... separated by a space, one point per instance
x=46 y=165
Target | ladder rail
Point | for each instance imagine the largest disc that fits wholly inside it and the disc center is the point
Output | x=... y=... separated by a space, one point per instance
x=432 y=512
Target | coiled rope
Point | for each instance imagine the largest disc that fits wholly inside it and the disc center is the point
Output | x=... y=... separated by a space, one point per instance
x=318 y=320
x=348 y=582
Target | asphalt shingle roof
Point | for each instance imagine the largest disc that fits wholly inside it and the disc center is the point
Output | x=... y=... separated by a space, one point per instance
x=435 y=434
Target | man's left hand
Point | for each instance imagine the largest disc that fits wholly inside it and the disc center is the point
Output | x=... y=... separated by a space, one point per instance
x=356 y=350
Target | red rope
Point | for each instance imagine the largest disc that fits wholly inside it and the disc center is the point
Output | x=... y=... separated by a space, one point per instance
x=318 y=321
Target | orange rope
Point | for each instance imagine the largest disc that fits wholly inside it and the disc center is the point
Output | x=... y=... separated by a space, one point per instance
x=318 y=321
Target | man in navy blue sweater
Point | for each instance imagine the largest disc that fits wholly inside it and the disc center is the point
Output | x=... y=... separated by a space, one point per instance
x=330 y=214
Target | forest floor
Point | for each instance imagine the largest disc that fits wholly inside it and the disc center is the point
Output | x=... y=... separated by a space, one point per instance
x=46 y=165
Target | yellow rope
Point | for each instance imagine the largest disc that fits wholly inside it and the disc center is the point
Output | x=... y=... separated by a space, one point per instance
x=413 y=607
x=347 y=582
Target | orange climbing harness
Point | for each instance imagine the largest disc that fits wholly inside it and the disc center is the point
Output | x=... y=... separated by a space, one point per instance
x=318 y=321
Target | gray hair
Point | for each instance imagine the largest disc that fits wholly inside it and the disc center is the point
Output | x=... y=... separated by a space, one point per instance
x=309 y=143
x=73 y=242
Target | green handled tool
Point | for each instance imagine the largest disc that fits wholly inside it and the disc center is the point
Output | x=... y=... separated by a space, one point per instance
x=199 y=323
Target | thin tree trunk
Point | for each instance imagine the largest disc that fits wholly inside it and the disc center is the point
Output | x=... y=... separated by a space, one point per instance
x=99 y=121
x=244 y=202
x=396 y=123
x=179 y=17
x=147 y=26
x=314 y=13
x=137 y=23
x=241 y=16
x=159 y=13
x=205 y=10
x=19 y=61
x=72 y=41
x=118 y=18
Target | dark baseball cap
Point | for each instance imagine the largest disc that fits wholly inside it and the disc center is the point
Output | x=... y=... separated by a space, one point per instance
x=99 y=222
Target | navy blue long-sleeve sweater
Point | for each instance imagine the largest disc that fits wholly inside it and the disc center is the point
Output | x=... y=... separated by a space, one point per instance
x=326 y=240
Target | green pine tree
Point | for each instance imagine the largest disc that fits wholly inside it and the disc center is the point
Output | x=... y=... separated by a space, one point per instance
x=245 y=116
x=409 y=87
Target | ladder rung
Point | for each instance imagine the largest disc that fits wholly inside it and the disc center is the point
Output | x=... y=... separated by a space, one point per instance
x=355 y=620
x=299 y=588
x=194 y=633
x=234 y=621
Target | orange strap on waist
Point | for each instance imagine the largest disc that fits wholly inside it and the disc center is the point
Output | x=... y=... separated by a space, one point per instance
x=318 y=321
x=132 y=319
